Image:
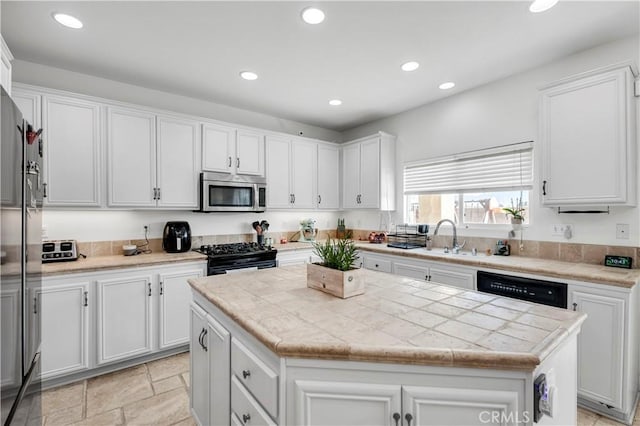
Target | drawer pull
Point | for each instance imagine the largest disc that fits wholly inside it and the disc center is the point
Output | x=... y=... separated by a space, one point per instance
x=246 y=373
x=246 y=418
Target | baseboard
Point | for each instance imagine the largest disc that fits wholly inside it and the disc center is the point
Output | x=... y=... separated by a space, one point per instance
x=612 y=413
x=98 y=371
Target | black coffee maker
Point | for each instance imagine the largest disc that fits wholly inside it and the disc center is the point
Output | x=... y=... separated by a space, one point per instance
x=176 y=237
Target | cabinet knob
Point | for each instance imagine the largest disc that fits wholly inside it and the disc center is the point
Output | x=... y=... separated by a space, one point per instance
x=575 y=306
x=245 y=418
x=246 y=373
x=396 y=417
x=377 y=265
x=408 y=417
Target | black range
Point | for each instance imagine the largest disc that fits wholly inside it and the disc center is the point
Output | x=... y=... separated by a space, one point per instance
x=223 y=258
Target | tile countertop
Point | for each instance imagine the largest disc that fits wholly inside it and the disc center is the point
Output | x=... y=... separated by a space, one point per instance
x=550 y=268
x=397 y=320
x=97 y=263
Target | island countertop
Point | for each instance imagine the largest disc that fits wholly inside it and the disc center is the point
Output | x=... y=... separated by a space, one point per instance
x=397 y=320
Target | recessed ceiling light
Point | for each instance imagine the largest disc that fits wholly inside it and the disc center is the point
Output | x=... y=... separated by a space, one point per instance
x=542 y=5
x=335 y=102
x=410 y=66
x=248 y=75
x=312 y=15
x=447 y=85
x=68 y=20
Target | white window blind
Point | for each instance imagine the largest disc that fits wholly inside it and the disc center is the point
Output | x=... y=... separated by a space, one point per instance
x=496 y=169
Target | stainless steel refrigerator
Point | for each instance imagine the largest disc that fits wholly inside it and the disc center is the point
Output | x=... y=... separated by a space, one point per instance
x=21 y=190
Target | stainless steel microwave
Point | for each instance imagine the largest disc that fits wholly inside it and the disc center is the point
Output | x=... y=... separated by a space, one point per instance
x=221 y=192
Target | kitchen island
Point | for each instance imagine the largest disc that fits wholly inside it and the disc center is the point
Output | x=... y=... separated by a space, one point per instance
x=405 y=352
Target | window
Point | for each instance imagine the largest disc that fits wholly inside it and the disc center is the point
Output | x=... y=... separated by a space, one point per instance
x=470 y=188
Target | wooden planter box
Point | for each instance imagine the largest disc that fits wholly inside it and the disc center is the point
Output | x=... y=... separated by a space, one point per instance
x=342 y=284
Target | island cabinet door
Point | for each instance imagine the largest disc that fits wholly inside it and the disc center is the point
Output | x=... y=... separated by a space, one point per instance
x=199 y=369
x=423 y=406
x=334 y=403
x=600 y=347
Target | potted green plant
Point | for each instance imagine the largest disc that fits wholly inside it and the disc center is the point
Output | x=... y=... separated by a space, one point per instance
x=335 y=274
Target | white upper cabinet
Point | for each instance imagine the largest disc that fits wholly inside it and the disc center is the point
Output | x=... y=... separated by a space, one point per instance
x=368 y=166
x=131 y=144
x=5 y=66
x=178 y=162
x=72 y=152
x=291 y=166
x=229 y=150
x=153 y=160
x=218 y=148
x=328 y=177
x=587 y=131
x=249 y=153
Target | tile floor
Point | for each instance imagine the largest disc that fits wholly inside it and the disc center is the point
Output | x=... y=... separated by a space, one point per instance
x=155 y=393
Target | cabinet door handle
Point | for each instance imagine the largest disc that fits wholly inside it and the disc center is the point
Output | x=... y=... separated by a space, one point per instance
x=408 y=417
x=544 y=187
x=426 y=277
x=161 y=288
x=44 y=190
x=158 y=193
x=35 y=305
x=396 y=417
x=229 y=162
x=86 y=299
x=319 y=199
x=200 y=338
x=575 y=306
x=205 y=347
x=237 y=162
x=294 y=198
x=149 y=285
x=245 y=418
x=246 y=373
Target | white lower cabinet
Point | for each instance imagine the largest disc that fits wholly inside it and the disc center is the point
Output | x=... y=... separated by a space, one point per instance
x=210 y=369
x=60 y=322
x=121 y=309
x=175 y=296
x=332 y=403
x=607 y=371
x=123 y=317
x=296 y=257
x=453 y=275
x=10 y=326
x=336 y=403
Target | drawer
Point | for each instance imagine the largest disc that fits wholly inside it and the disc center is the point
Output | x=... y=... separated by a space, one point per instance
x=258 y=378
x=381 y=265
x=245 y=410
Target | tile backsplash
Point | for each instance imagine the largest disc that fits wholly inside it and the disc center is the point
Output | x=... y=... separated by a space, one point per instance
x=568 y=252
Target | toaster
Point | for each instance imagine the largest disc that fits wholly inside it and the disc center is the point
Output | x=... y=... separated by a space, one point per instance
x=59 y=251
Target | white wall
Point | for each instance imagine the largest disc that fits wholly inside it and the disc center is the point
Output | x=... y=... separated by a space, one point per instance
x=499 y=113
x=105 y=225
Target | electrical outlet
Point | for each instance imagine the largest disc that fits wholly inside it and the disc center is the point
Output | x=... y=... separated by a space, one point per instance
x=558 y=230
x=622 y=231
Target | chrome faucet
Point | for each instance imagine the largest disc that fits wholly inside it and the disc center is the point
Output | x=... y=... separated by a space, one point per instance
x=454 y=244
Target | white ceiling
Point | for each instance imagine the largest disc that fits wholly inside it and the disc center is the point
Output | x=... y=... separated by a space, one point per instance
x=197 y=49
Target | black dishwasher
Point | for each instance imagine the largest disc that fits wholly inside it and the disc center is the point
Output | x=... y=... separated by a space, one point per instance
x=536 y=291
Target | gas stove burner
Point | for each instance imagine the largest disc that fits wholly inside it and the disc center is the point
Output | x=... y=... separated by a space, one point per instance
x=230 y=249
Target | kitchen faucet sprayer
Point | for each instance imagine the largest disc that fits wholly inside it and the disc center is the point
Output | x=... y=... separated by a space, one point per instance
x=454 y=244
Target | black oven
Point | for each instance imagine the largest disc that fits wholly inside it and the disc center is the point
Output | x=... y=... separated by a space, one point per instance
x=537 y=291
x=222 y=192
